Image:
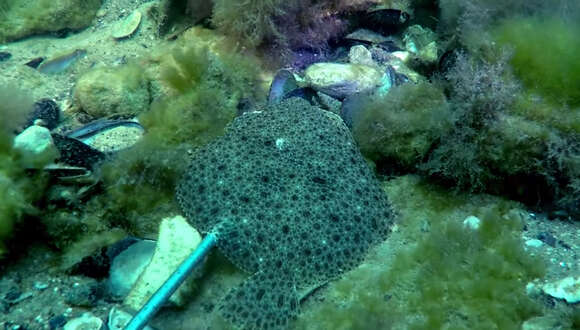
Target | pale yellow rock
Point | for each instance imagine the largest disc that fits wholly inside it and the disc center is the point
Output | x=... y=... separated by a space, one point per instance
x=339 y=79
x=106 y=91
x=177 y=239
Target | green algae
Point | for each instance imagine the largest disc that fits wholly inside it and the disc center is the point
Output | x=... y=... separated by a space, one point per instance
x=434 y=273
x=19 y=19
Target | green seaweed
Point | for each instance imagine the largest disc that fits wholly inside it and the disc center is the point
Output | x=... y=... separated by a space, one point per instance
x=403 y=124
x=18 y=191
x=545 y=56
x=204 y=91
x=446 y=276
x=253 y=21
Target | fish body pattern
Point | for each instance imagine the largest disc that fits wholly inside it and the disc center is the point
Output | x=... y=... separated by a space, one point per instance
x=292 y=202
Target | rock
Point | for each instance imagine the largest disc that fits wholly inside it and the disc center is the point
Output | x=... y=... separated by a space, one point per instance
x=472 y=222
x=328 y=103
x=340 y=80
x=421 y=42
x=567 y=288
x=36 y=146
x=128 y=266
x=544 y=322
x=177 y=239
x=535 y=243
x=107 y=91
x=40 y=286
x=360 y=55
x=128 y=26
x=87 y=321
x=85 y=294
x=39 y=16
x=547 y=238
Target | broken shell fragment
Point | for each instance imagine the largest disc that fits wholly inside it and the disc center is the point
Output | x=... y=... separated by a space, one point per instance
x=128 y=26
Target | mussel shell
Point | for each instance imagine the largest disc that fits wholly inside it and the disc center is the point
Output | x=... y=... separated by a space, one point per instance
x=99 y=126
x=282 y=84
x=99 y=134
x=66 y=171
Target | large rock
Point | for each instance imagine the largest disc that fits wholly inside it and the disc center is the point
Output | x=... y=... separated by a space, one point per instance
x=341 y=80
x=19 y=19
x=107 y=91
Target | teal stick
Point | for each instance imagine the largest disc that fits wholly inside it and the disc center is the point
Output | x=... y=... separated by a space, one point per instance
x=146 y=313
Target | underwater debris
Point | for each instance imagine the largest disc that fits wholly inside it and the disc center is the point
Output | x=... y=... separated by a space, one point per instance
x=177 y=240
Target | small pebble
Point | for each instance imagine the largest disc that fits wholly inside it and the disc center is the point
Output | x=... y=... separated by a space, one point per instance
x=360 y=55
x=40 y=286
x=118 y=319
x=84 y=295
x=472 y=222
x=87 y=321
x=534 y=243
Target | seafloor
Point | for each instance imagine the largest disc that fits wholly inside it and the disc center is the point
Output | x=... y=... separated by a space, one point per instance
x=365 y=164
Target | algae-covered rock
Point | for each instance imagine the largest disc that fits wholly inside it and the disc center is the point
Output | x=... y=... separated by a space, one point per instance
x=340 y=80
x=107 y=91
x=19 y=19
x=401 y=125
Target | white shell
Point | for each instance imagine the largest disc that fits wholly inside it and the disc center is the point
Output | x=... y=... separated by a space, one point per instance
x=128 y=26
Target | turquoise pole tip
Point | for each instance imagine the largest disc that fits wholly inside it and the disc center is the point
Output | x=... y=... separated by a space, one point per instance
x=139 y=321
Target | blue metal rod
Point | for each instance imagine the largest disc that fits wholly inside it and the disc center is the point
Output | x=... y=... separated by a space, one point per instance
x=146 y=313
